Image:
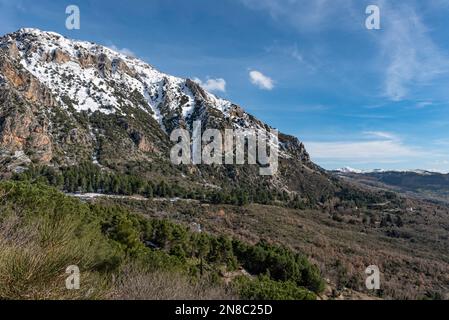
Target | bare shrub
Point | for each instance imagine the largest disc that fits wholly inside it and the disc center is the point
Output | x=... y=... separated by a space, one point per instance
x=135 y=284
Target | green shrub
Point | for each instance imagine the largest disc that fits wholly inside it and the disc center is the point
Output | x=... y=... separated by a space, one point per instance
x=264 y=288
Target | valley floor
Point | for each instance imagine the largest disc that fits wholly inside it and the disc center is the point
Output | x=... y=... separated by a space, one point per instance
x=413 y=260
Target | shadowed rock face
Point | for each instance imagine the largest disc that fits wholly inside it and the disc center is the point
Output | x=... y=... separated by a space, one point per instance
x=24 y=131
x=63 y=102
x=23 y=127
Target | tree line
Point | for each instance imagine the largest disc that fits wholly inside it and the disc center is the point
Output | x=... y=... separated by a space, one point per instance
x=90 y=178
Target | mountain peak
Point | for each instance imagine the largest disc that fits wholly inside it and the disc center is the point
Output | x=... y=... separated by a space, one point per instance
x=89 y=76
x=36 y=31
x=85 y=82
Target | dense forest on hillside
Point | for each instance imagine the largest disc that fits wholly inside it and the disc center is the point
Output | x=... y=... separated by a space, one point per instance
x=90 y=178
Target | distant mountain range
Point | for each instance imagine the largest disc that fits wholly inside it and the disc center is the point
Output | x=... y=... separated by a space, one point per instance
x=421 y=183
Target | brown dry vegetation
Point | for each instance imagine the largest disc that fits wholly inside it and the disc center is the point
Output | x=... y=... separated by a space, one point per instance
x=136 y=284
x=413 y=258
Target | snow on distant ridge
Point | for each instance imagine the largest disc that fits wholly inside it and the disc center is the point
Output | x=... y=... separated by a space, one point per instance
x=417 y=171
x=349 y=170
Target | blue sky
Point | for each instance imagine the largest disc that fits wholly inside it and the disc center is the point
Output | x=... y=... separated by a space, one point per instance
x=356 y=97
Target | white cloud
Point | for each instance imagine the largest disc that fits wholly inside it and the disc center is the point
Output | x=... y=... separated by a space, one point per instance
x=260 y=80
x=213 y=85
x=125 y=51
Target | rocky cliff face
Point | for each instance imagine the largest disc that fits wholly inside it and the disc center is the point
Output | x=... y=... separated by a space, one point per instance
x=63 y=102
x=23 y=126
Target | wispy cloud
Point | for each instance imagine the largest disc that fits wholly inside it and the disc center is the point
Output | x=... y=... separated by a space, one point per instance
x=441 y=142
x=260 y=80
x=424 y=104
x=213 y=85
x=382 y=135
x=365 y=151
x=381 y=147
x=408 y=57
x=295 y=53
x=412 y=56
x=305 y=15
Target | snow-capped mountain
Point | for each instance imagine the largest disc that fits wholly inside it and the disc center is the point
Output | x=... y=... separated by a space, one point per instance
x=64 y=102
x=349 y=170
x=90 y=77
